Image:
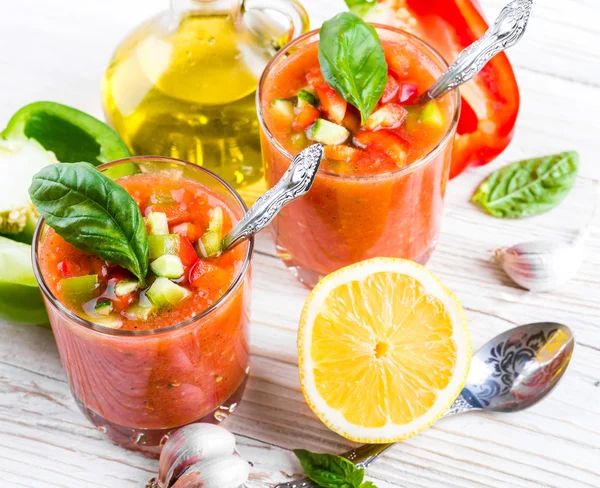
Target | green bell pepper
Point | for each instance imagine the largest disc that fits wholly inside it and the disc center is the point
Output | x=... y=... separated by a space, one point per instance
x=20 y=298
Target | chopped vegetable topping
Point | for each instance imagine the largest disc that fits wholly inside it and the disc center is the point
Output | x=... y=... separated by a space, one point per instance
x=432 y=115
x=385 y=142
x=80 y=287
x=164 y=292
x=330 y=100
x=157 y=223
x=389 y=116
x=167 y=266
x=125 y=287
x=327 y=132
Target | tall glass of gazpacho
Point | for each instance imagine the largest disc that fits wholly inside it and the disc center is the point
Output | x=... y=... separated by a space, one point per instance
x=380 y=188
x=143 y=360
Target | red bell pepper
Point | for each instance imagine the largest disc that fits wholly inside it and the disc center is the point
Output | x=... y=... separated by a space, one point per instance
x=490 y=102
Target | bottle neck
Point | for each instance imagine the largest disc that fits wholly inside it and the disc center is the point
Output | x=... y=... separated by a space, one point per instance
x=207 y=6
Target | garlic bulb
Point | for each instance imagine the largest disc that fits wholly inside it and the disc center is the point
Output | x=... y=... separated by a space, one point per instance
x=219 y=472
x=200 y=455
x=541 y=265
x=192 y=443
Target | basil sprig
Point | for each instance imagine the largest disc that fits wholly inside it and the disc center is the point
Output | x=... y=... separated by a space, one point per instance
x=361 y=7
x=93 y=213
x=329 y=471
x=529 y=187
x=353 y=62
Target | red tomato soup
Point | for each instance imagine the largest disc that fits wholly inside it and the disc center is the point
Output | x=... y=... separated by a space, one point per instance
x=135 y=372
x=380 y=188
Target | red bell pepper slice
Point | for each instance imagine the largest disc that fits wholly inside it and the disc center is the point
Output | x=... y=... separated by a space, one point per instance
x=490 y=102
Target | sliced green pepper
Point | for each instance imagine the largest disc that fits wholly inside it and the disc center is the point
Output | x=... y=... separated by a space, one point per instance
x=20 y=298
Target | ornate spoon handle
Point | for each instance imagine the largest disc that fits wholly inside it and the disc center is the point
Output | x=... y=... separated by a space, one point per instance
x=364 y=455
x=294 y=183
x=506 y=31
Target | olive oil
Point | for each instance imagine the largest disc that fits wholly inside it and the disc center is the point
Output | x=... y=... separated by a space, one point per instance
x=185 y=87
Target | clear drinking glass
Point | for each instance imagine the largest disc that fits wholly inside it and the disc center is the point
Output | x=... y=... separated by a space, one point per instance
x=139 y=385
x=345 y=218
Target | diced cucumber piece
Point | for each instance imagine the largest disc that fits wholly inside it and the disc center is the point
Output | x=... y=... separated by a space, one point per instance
x=167 y=266
x=80 y=288
x=215 y=222
x=306 y=97
x=327 y=132
x=125 y=287
x=161 y=245
x=164 y=292
x=432 y=115
x=283 y=108
x=157 y=223
x=137 y=311
x=103 y=307
x=111 y=321
x=209 y=244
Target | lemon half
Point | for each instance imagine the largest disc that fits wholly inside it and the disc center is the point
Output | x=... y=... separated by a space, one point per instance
x=384 y=350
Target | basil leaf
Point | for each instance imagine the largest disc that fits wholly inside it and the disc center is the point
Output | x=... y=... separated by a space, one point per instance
x=93 y=213
x=353 y=62
x=329 y=471
x=368 y=484
x=360 y=7
x=529 y=187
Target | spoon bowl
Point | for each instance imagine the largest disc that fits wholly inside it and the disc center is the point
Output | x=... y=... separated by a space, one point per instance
x=518 y=368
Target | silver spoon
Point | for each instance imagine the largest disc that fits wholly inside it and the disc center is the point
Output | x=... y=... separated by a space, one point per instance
x=506 y=31
x=510 y=373
x=294 y=183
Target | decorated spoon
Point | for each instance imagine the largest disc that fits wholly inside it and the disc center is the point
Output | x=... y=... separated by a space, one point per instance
x=294 y=183
x=506 y=31
x=510 y=373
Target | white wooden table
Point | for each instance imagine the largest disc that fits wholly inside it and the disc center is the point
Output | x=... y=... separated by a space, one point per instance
x=57 y=51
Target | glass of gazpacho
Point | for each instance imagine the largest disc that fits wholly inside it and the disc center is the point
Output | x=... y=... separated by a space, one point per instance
x=380 y=188
x=143 y=360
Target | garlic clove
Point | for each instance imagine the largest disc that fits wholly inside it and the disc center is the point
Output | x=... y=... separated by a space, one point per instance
x=541 y=265
x=190 y=444
x=218 y=472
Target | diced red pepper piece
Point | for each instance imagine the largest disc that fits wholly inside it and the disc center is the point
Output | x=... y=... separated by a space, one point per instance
x=408 y=93
x=390 y=116
x=205 y=274
x=391 y=90
x=450 y=26
x=331 y=102
x=352 y=119
x=385 y=142
x=188 y=230
x=186 y=253
x=305 y=117
x=341 y=152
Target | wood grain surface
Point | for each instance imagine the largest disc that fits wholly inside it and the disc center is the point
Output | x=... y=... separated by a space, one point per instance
x=58 y=50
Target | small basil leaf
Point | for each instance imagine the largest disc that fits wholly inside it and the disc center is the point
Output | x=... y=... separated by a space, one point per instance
x=329 y=471
x=368 y=484
x=353 y=62
x=361 y=7
x=529 y=187
x=93 y=213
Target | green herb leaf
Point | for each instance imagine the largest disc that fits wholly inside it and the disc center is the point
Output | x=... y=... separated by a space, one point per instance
x=92 y=212
x=353 y=62
x=529 y=187
x=329 y=471
x=368 y=484
x=360 y=7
